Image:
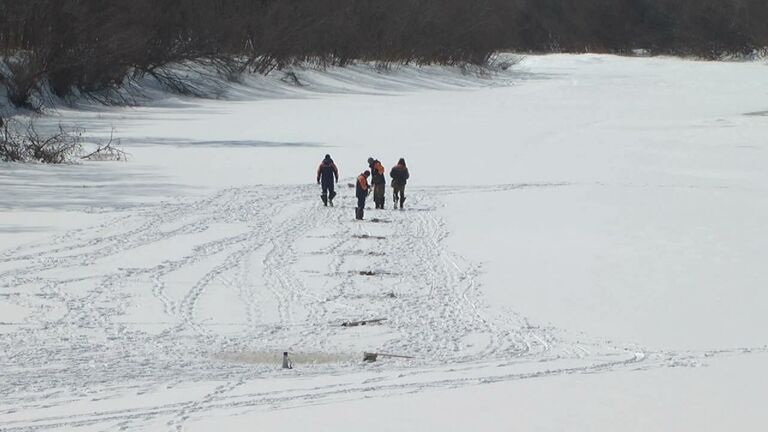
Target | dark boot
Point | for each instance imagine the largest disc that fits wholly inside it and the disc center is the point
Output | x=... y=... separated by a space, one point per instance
x=358 y=213
x=362 y=213
x=331 y=197
x=402 y=200
x=325 y=199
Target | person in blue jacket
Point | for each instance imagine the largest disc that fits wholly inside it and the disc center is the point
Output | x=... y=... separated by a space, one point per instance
x=327 y=176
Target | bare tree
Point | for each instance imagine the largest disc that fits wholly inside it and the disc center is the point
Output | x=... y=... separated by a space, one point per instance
x=94 y=47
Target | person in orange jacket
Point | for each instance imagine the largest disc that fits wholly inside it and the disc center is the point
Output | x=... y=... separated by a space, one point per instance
x=377 y=181
x=327 y=175
x=361 y=191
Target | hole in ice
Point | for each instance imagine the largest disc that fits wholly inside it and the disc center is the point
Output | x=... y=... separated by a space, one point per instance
x=276 y=358
x=387 y=295
x=374 y=273
x=366 y=236
x=355 y=323
x=366 y=253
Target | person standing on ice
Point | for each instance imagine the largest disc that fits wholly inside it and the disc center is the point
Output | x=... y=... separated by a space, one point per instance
x=361 y=191
x=400 y=175
x=378 y=181
x=327 y=175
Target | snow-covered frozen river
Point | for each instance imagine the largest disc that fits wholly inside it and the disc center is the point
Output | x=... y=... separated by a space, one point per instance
x=582 y=248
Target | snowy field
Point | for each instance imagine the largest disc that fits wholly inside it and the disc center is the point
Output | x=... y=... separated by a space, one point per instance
x=583 y=248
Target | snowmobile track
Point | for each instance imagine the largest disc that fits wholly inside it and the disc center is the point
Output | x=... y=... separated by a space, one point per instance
x=289 y=270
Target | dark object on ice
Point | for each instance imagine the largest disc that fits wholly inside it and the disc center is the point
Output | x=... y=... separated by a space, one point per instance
x=373 y=273
x=755 y=114
x=372 y=357
x=327 y=176
x=400 y=176
x=366 y=236
x=287 y=363
x=362 y=322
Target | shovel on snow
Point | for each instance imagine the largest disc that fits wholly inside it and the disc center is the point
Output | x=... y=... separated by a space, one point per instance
x=371 y=357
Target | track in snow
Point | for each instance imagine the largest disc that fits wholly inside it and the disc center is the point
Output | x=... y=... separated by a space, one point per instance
x=188 y=302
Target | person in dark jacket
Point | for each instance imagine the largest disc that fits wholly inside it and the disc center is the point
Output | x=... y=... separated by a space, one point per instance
x=378 y=181
x=400 y=175
x=361 y=191
x=327 y=176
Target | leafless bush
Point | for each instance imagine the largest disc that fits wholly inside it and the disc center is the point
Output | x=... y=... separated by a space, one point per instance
x=22 y=143
x=291 y=78
x=503 y=62
x=108 y=151
x=10 y=148
x=21 y=75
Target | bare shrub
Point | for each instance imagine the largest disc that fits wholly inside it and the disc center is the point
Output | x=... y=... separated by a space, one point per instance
x=503 y=62
x=22 y=143
x=108 y=151
x=11 y=145
x=22 y=75
x=58 y=147
x=11 y=149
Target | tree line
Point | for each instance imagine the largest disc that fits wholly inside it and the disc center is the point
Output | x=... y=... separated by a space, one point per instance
x=65 y=47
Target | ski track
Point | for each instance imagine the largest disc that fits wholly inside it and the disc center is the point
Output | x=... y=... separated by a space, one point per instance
x=73 y=349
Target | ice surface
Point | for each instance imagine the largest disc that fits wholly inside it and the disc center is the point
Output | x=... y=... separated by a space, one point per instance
x=582 y=248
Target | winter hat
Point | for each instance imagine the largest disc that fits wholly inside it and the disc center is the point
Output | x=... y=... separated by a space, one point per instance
x=366 y=173
x=370 y=160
